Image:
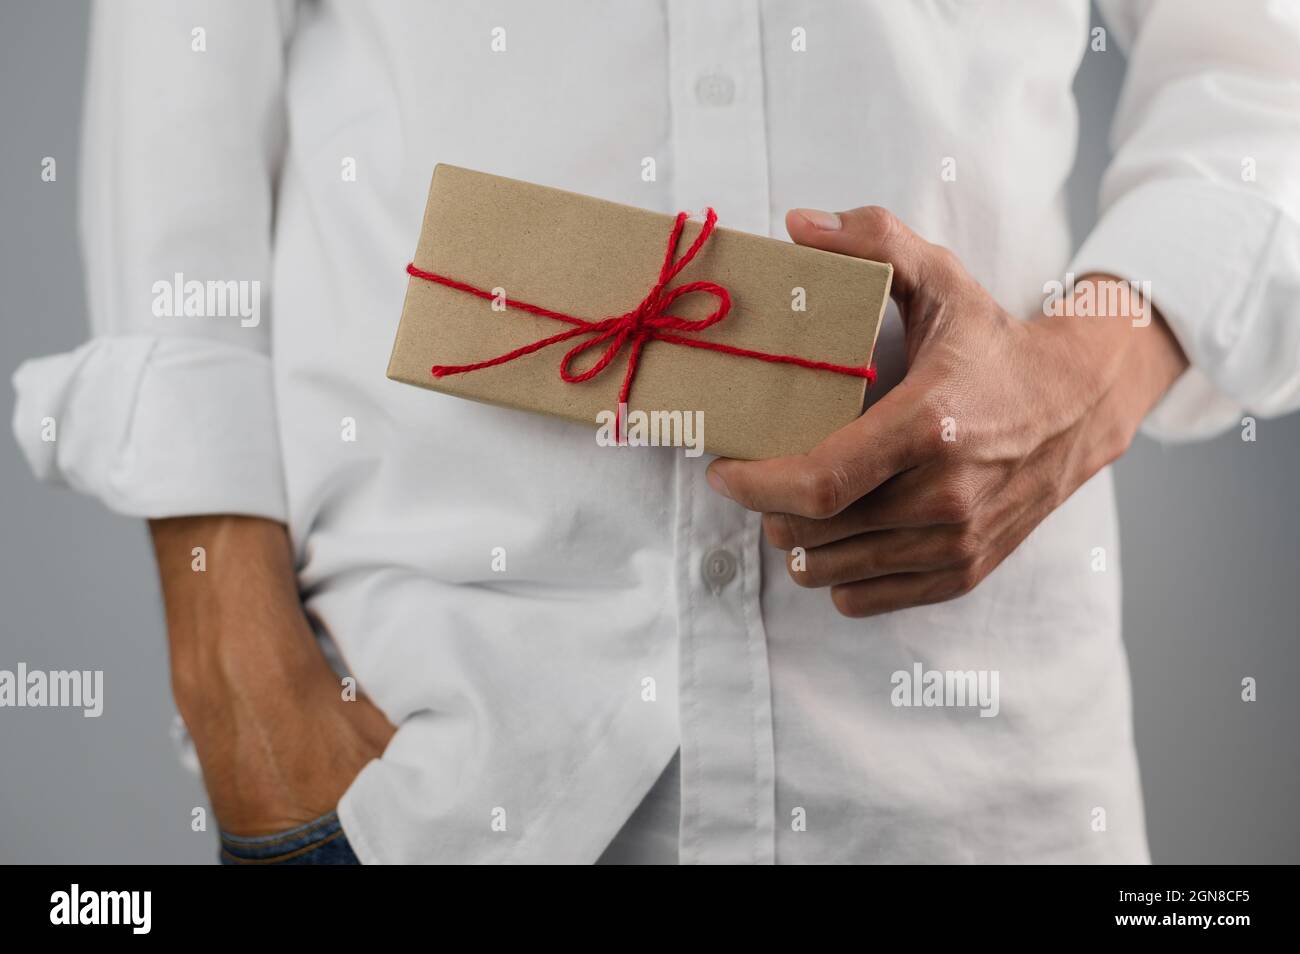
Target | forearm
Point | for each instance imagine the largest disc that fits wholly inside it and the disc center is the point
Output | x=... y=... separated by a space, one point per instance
x=231 y=597
x=278 y=739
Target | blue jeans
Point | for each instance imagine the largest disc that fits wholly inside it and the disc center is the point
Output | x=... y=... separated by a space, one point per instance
x=320 y=842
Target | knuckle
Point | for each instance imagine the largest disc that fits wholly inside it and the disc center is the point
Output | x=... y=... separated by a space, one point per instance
x=967 y=546
x=969 y=577
x=823 y=491
x=963 y=581
x=954 y=502
x=879 y=220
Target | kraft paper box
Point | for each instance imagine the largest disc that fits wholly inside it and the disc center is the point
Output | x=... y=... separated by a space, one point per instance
x=593 y=259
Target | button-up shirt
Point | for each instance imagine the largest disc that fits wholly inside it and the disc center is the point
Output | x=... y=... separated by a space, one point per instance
x=548 y=621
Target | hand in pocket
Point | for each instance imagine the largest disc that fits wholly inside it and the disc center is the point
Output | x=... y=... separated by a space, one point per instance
x=277 y=740
x=279 y=745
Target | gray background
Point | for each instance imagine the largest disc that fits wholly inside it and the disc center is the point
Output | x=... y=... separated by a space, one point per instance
x=1210 y=535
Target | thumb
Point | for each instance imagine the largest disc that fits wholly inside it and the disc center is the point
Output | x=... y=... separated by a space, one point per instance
x=868 y=232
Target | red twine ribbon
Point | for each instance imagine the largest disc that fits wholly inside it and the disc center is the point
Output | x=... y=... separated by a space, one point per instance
x=648 y=321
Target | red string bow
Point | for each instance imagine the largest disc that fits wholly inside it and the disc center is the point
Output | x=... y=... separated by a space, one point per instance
x=648 y=321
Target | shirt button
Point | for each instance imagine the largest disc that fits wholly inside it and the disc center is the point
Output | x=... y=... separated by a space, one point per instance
x=715 y=89
x=718 y=568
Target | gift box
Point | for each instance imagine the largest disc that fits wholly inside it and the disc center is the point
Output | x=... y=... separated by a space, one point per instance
x=557 y=303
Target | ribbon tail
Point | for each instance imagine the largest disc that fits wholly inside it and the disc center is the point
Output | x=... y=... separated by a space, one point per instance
x=855 y=371
x=626 y=388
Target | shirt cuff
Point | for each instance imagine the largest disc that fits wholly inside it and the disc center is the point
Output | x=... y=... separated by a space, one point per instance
x=155 y=427
x=1206 y=250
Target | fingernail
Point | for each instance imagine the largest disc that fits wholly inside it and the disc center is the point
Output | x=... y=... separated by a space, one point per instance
x=826 y=221
x=716 y=482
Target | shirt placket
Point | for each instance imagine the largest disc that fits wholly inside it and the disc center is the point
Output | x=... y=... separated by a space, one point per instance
x=720 y=159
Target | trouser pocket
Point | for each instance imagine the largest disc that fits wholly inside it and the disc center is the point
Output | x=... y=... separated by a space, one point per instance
x=319 y=842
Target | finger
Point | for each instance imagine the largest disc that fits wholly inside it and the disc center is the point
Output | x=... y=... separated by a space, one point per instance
x=852 y=462
x=887 y=594
x=885 y=552
x=891 y=506
x=869 y=232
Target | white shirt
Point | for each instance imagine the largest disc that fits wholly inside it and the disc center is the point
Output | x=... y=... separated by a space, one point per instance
x=522 y=697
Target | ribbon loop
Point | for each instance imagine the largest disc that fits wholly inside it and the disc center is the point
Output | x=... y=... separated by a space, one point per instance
x=618 y=332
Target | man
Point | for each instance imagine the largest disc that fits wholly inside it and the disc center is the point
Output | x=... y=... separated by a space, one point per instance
x=570 y=652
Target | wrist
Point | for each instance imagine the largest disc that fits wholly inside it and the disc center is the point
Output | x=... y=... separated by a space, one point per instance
x=1118 y=329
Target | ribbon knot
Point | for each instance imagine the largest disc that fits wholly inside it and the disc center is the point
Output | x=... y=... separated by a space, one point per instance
x=649 y=321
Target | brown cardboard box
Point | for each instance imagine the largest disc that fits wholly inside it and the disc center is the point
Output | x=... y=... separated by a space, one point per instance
x=593 y=259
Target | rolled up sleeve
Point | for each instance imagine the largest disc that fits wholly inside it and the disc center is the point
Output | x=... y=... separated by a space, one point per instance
x=163 y=412
x=154 y=427
x=1202 y=200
